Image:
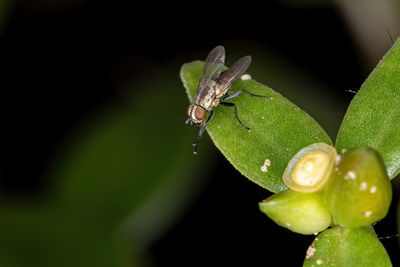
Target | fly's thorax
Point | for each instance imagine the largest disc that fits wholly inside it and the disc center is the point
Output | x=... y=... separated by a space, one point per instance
x=206 y=94
x=196 y=113
x=215 y=102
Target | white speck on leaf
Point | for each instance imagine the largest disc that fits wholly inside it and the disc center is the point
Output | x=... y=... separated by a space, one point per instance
x=352 y=175
x=264 y=168
x=319 y=261
x=372 y=190
x=310 y=252
x=267 y=163
x=363 y=186
x=245 y=77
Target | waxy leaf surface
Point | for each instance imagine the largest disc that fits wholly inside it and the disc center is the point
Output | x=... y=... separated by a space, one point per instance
x=373 y=117
x=279 y=129
x=346 y=246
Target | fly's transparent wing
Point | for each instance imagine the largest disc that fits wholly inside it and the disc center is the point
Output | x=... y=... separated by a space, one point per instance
x=229 y=77
x=211 y=71
x=213 y=64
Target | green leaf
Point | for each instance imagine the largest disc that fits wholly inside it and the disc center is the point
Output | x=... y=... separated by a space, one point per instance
x=46 y=238
x=346 y=246
x=373 y=117
x=279 y=129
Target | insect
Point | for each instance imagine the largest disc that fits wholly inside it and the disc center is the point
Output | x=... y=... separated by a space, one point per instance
x=213 y=85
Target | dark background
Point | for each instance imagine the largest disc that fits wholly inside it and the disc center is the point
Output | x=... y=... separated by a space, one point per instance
x=58 y=64
x=61 y=62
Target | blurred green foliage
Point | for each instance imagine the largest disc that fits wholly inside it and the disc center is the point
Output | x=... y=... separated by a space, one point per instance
x=120 y=178
x=5 y=12
x=117 y=182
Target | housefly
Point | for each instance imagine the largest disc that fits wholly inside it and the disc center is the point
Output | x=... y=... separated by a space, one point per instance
x=213 y=85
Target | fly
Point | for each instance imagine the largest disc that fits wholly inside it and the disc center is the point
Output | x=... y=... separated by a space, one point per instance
x=213 y=85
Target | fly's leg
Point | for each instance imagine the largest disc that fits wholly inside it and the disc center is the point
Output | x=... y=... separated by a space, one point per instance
x=201 y=131
x=236 y=93
x=227 y=104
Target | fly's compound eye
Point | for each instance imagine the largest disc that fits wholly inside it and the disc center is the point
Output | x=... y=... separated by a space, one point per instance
x=188 y=110
x=199 y=114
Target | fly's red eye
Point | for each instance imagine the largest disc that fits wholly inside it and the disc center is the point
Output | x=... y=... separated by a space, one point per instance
x=199 y=114
x=188 y=110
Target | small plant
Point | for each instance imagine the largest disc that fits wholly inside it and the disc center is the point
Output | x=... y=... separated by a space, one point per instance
x=340 y=190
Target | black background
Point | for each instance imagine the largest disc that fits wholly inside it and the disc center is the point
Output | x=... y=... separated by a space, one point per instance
x=58 y=65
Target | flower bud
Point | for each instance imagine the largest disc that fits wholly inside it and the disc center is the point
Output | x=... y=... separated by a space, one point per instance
x=359 y=192
x=303 y=213
x=310 y=169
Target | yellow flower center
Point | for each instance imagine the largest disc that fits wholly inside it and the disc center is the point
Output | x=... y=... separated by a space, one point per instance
x=311 y=168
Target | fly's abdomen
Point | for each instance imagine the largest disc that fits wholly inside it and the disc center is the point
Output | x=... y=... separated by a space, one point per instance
x=223 y=84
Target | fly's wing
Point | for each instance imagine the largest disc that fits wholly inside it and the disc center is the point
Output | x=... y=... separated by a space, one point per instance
x=229 y=77
x=211 y=70
x=213 y=64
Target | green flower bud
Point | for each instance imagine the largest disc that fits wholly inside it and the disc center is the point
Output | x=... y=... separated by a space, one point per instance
x=303 y=213
x=359 y=192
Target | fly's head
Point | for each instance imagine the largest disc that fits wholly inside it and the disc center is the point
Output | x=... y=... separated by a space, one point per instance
x=196 y=114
